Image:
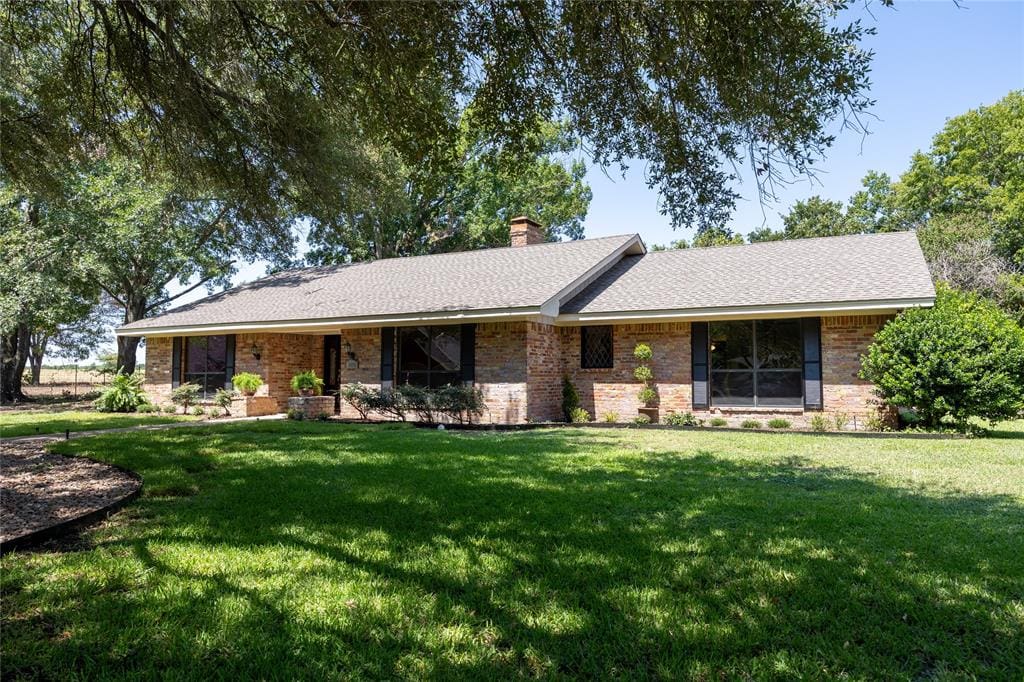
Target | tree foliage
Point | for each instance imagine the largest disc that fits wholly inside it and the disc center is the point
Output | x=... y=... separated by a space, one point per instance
x=240 y=98
x=410 y=210
x=962 y=358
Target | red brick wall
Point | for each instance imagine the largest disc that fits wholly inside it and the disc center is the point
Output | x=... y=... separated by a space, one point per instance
x=158 y=369
x=614 y=390
x=366 y=347
x=501 y=371
x=844 y=340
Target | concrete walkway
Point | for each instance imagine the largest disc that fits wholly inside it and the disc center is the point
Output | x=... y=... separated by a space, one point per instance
x=50 y=437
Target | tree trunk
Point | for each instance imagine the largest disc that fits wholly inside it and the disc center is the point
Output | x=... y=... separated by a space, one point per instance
x=13 y=356
x=36 y=350
x=128 y=346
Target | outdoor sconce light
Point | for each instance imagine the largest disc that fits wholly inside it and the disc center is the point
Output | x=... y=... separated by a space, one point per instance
x=346 y=347
x=256 y=351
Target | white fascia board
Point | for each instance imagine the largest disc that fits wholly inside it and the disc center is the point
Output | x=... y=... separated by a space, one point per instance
x=324 y=326
x=633 y=245
x=877 y=307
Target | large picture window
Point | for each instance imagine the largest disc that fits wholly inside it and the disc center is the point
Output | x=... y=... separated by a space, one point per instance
x=429 y=356
x=756 y=363
x=206 y=362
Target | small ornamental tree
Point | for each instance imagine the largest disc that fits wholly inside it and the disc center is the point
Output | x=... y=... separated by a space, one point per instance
x=570 y=399
x=643 y=354
x=962 y=358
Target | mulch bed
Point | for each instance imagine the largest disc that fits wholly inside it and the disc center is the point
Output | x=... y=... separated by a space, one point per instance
x=44 y=495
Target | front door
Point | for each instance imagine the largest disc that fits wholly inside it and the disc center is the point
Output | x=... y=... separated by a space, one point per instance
x=332 y=368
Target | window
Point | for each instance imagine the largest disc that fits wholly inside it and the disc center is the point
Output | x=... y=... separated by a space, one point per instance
x=429 y=356
x=756 y=364
x=596 y=347
x=206 y=362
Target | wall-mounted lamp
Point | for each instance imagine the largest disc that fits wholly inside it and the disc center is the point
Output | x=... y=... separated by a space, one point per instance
x=346 y=348
x=256 y=351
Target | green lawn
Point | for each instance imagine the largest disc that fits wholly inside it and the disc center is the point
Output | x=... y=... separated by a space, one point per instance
x=34 y=422
x=283 y=550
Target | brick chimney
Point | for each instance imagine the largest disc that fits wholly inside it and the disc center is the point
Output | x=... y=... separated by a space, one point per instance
x=525 y=231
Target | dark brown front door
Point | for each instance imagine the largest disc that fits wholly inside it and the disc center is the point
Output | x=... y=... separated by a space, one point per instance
x=332 y=367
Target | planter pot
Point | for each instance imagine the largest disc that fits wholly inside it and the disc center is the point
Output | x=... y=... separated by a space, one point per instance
x=248 y=394
x=306 y=392
x=651 y=412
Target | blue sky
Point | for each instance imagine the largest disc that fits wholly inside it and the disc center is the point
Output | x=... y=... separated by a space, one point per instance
x=933 y=60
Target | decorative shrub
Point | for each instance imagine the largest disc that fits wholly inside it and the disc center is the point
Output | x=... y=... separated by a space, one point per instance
x=90 y=395
x=580 y=416
x=169 y=409
x=147 y=408
x=641 y=419
x=643 y=373
x=840 y=419
x=962 y=358
x=124 y=394
x=296 y=415
x=222 y=399
x=647 y=395
x=307 y=382
x=876 y=423
x=778 y=423
x=185 y=395
x=820 y=422
x=198 y=411
x=751 y=424
x=570 y=398
x=680 y=419
x=719 y=421
x=358 y=396
x=611 y=417
x=247 y=383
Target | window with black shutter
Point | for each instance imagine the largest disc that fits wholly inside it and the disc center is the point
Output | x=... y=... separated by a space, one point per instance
x=757 y=363
x=596 y=349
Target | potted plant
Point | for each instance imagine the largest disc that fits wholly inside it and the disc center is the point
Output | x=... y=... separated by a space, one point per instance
x=247 y=383
x=307 y=383
x=648 y=396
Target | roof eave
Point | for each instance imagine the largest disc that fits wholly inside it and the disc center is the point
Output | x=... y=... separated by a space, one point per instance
x=326 y=325
x=822 y=309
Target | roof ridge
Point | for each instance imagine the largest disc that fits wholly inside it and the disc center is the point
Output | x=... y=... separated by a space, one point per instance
x=771 y=242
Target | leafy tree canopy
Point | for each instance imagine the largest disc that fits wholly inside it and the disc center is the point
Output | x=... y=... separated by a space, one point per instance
x=239 y=97
x=414 y=210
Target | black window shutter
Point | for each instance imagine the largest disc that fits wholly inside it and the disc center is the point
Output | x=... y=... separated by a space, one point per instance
x=387 y=354
x=176 y=362
x=229 y=361
x=699 y=354
x=467 y=353
x=810 y=328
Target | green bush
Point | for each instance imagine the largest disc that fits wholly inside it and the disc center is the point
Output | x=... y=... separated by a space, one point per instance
x=222 y=399
x=296 y=415
x=641 y=419
x=185 y=395
x=751 y=424
x=580 y=416
x=681 y=419
x=642 y=352
x=611 y=417
x=124 y=394
x=647 y=395
x=456 y=402
x=359 y=397
x=719 y=421
x=169 y=409
x=307 y=381
x=247 y=383
x=962 y=358
x=198 y=411
x=876 y=423
x=778 y=423
x=820 y=422
x=147 y=408
x=840 y=419
x=570 y=398
x=643 y=373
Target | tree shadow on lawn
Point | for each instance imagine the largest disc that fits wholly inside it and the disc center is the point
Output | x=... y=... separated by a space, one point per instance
x=531 y=555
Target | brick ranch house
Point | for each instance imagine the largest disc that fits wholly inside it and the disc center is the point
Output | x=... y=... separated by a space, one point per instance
x=756 y=330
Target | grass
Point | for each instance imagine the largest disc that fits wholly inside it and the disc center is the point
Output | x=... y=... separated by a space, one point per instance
x=286 y=550
x=32 y=422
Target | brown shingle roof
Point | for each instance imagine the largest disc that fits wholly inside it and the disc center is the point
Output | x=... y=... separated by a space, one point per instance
x=503 y=278
x=874 y=267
